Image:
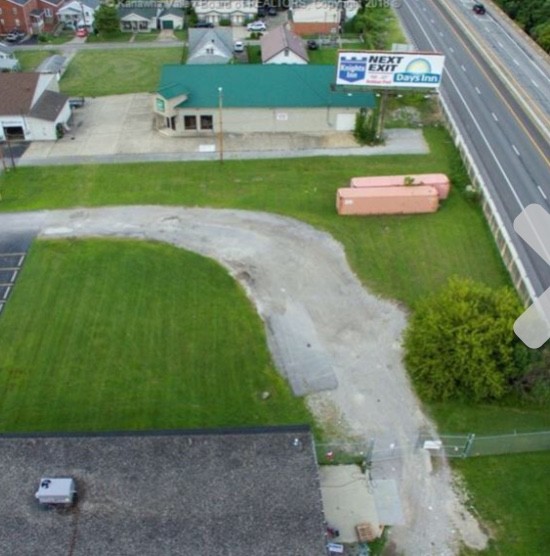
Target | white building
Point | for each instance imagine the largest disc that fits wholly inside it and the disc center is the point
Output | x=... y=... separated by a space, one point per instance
x=238 y=12
x=79 y=13
x=31 y=107
x=8 y=61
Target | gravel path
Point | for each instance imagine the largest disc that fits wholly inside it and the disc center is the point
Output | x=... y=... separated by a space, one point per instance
x=328 y=336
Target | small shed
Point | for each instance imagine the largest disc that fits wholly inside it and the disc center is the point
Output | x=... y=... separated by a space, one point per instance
x=56 y=491
x=55 y=65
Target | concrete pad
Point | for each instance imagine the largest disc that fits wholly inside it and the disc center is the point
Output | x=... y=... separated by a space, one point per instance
x=347 y=500
x=388 y=503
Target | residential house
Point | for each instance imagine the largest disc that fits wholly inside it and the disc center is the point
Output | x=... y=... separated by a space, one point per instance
x=325 y=17
x=54 y=65
x=281 y=46
x=254 y=98
x=31 y=106
x=8 y=61
x=139 y=17
x=30 y=16
x=238 y=12
x=79 y=13
x=210 y=46
x=171 y=18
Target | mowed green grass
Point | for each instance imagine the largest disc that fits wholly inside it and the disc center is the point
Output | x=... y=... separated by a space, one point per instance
x=121 y=335
x=111 y=72
x=31 y=59
x=401 y=257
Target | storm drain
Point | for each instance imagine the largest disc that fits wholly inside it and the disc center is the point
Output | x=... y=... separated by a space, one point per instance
x=10 y=265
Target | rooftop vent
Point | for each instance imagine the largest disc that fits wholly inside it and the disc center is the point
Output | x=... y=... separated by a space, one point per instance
x=56 y=491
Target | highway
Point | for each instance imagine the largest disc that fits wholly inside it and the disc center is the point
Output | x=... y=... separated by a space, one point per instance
x=510 y=152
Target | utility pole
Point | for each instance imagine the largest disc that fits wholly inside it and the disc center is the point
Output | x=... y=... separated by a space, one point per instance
x=382 y=115
x=220 y=132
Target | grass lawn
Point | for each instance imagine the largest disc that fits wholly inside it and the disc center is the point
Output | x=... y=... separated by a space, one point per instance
x=402 y=257
x=31 y=59
x=328 y=55
x=510 y=493
x=145 y=336
x=119 y=36
x=104 y=72
x=147 y=37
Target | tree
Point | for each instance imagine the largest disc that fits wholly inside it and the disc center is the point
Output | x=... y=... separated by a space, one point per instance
x=460 y=343
x=106 y=20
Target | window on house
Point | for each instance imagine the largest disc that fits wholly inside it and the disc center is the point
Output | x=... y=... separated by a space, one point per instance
x=209 y=50
x=207 y=122
x=1 y=14
x=14 y=10
x=48 y=12
x=17 y=23
x=143 y=25
x=126 y=25
x=190 y=122
x=171 y=122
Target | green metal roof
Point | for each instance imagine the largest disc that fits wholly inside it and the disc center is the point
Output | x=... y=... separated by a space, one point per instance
x=258 y=86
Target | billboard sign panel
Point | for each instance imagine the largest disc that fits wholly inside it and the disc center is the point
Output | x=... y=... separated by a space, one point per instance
x=390 y=69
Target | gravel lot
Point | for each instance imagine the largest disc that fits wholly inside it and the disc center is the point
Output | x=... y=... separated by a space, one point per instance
x=325 y=331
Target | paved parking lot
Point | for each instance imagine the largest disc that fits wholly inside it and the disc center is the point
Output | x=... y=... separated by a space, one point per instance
x=120 y=128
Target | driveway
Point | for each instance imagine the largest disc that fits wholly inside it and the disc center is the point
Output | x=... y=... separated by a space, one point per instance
x=332 y=340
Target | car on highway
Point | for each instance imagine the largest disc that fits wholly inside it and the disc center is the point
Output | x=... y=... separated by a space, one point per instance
x=15 y=35
x=238 y=46
x=479 y=9
x=256 y=26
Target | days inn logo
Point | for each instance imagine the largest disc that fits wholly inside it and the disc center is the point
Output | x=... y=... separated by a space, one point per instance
x=417 y=71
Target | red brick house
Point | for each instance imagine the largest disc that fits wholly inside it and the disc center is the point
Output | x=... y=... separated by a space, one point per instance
x=31 y=16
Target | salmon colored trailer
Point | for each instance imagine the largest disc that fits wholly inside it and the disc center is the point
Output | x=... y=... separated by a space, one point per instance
x=439 y=181
x=387 y=200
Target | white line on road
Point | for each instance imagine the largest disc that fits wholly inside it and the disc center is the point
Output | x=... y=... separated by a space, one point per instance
x=500 y=44
x=515 y=61
x=515 y=149
x=542 y=192
x=6 y=292
x=534 y=83
x=451 y=49
x=477 y=90
x=463 y=68
x=494 y=116
x=432 y=21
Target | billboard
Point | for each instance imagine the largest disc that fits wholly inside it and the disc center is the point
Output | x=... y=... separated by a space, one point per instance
x=390 y=69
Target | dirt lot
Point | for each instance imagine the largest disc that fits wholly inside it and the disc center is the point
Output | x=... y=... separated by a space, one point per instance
x=325 y=331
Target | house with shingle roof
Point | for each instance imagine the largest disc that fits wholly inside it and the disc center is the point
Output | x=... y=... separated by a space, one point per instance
x=269 y=98
x=210 y=46
x=55 y=65
x=138 y=17
x=281 y=46
x=31 y=106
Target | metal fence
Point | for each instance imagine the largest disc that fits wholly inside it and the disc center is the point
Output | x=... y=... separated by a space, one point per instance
x=472 y=445
x=450 y=446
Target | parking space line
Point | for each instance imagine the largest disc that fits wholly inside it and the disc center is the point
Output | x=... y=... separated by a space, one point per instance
x=5 y=296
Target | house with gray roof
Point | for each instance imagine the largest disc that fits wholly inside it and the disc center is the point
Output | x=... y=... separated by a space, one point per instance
x=8 y=61
x=31 y=106
x=213 y=492
x=55 y=65
x=192 y=100
x=171 y=18
x=210 y=46
x=138 y=17
x=281 y=46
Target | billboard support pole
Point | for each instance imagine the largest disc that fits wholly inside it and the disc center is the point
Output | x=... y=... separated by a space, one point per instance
x=382 y=115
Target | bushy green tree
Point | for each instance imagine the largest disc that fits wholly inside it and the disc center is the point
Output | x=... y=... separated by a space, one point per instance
x=460 y=343
x=106 y=20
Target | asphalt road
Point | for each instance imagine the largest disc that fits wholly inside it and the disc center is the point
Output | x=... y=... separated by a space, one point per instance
x=510 y=153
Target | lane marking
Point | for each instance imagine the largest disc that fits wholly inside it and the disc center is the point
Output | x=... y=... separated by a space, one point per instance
x=542 y=192
x=515 y=149
x=477 y=90
x=471 y=50
x=534 y=83
x=515 y=61
x=7 y=292
x=463 y=68
x=451 y=49
x=500 y=44
x=494 y=116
